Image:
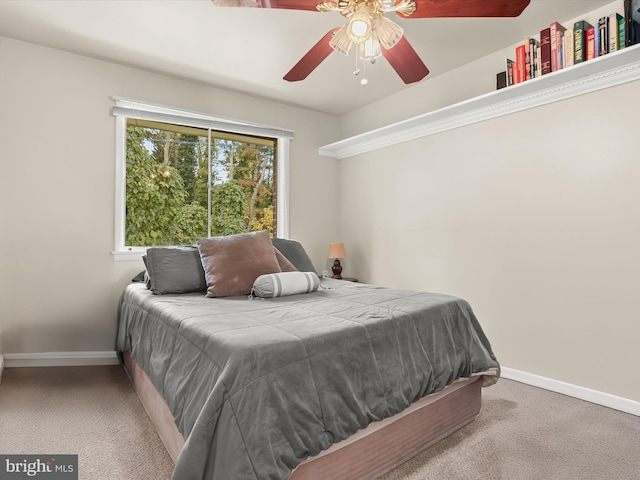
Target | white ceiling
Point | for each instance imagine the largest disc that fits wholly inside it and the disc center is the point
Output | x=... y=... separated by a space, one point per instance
x=250 y=49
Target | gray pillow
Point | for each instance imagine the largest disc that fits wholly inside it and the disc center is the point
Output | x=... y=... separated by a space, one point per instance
x=285 y=265
x=295 y=253
x=175 y=270
x=286 y=283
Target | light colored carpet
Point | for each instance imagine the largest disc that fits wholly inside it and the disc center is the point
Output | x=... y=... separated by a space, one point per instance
x=522 y=432
x=90 y=411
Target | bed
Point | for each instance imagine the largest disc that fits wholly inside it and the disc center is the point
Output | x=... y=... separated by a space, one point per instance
x=345 y=381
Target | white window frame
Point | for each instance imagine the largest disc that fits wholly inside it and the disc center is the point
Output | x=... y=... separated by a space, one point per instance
x=126 y=108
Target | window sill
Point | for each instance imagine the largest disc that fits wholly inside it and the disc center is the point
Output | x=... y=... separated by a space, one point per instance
x=128 y=255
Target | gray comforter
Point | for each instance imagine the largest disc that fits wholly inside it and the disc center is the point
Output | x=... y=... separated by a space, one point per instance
x=256 y=386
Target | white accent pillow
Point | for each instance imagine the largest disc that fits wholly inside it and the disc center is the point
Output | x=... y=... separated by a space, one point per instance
x=281 y=284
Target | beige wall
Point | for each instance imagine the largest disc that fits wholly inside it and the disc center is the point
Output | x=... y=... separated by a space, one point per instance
x=532 y=217
x=59 y=285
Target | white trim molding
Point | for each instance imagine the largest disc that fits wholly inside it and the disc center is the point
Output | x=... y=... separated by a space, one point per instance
x=607 y=71
x=127 y=108
x=61 y=359
x=605 y=399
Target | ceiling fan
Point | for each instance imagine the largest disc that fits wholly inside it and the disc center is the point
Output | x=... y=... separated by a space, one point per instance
x=374 y=34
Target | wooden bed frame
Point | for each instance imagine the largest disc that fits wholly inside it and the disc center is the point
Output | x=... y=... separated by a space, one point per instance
x=368 y=454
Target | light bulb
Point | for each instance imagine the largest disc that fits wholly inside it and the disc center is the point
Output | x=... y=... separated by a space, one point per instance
x=370 y=49
x=359 y=28
x=360 y=25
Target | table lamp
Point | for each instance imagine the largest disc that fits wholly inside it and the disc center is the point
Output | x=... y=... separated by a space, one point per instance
x=336 y=251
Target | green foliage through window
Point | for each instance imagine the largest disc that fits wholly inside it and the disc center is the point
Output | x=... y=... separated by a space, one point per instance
x=169 y=181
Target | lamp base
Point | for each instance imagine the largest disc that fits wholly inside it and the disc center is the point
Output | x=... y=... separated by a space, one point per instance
x=337 y=269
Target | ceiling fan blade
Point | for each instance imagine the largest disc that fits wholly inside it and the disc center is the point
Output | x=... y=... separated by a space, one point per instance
x=468 y=8
x=406 y=62
x=290 y=4
x=311 y=59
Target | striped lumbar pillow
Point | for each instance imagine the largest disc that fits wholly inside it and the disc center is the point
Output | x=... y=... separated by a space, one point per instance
x=273 y=285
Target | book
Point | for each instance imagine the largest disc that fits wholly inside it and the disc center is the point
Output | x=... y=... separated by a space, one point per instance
x=527 y=59
x=614 y=32
x=635 y=24
x=534 y=46
x=520 y=64
x=510 y=72
x=603 y=36
x=596 y=40
x=632 y=18
x=501 y=80
x=556 y=32
x=590 y=42
x=580 y=45
x=545 y=51
x=622 y=28
x=569 y=55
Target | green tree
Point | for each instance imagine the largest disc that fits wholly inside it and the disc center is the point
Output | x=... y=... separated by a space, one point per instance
x=187 y=164
x=227 y=209
x=169 y=177
x=191 y=225
x=155 y=196
x=263 y=220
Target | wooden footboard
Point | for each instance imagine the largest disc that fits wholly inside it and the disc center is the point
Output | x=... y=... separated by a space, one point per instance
x=371 y=452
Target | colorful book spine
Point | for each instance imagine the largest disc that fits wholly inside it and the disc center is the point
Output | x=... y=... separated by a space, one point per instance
x=545 y=51
x=569 y=55
x=534 y=46
x=622 y=31
x=590 y=39
x=614 y=32
x=556 y=32
x=510 y=72
x=580 y=45
x=520 y=62
x=603 y=36
x=527 y=60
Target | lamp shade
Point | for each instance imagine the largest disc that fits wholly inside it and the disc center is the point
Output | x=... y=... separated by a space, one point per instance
x=336 y=250
x=388 y=33
x=341 y=42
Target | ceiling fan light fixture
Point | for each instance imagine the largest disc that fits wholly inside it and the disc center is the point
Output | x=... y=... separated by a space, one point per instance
x=370 y=49
x=341 y=41
x=360 y=25
x=388 y=32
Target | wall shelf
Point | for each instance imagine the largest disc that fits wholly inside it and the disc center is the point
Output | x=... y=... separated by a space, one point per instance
x=603 y=72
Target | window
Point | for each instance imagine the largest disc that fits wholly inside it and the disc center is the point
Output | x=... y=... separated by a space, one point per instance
x=183 y=175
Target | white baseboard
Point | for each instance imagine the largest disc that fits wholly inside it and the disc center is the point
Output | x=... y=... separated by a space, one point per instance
x=593 y=396
x=64 y=359
x=61 y=359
